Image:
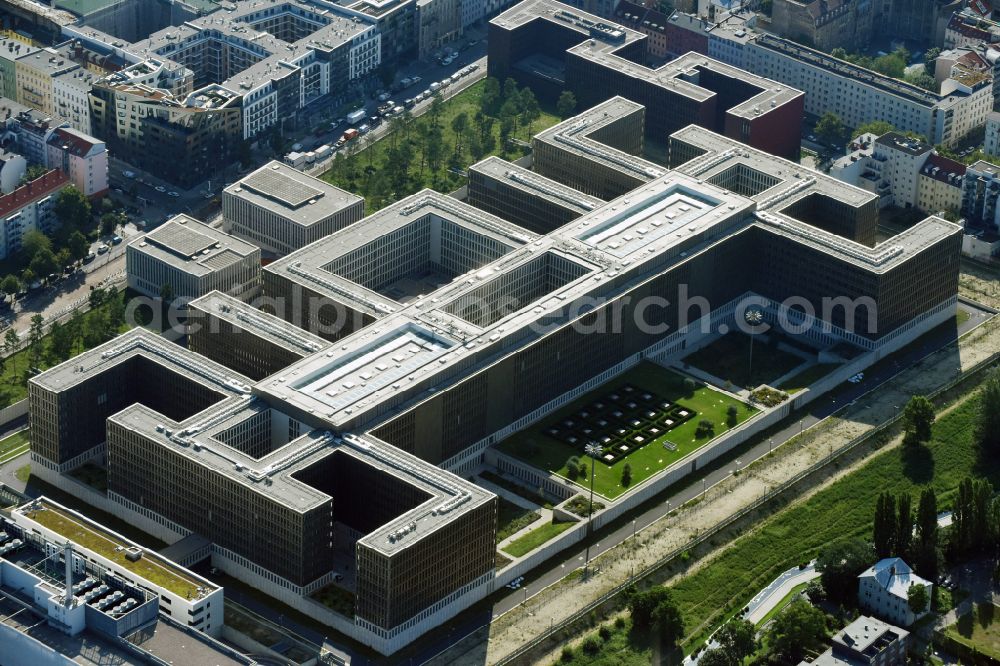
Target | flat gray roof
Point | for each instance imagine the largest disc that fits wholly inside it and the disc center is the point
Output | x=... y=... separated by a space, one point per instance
x=298 y=197
x=536 y=184
x=187 y=244
x=256 y=322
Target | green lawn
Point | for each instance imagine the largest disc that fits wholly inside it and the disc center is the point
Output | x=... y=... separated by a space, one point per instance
x=535 y=538
x=536 y=447
x=979 y=629
x=728 y=358
x=23 y=473
x=511 y=518
x=807 y=377
x=371 y=173
x=16 y=442
x=845 y=508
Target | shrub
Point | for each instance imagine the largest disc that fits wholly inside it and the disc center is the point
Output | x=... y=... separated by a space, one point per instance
x=626 y=475
x=591 y=645
x=689 y=386
x=567 y=653
x=731 y=414
x=619 y=622
x=583 y=470
x=705 y=428
x=604 y=632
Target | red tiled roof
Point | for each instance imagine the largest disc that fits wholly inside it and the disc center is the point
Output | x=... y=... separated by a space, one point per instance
x=77 y=144
x=32 y=191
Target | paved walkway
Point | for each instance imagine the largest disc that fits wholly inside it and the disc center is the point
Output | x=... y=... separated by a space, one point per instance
x=781 y=587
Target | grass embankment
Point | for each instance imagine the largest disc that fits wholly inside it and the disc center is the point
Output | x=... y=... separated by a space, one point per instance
x=512 y=518
x=979 y=629
x=13 y=445
x=375 y=173
x=537 y=448
x=807 y=377
x=844 y=508
x=535 y=538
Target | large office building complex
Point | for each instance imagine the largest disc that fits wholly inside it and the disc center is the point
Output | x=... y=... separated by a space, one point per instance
x=281 y=209
x=185 y=259
x=551 y=47
x=337 y=455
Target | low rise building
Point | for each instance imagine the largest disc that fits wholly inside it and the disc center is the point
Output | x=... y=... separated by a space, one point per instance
x=887 y=166
x=185 y=259
x=883 y=590
x=184 y=596
x=12 y=169
x=866 y=641
x=280 y=209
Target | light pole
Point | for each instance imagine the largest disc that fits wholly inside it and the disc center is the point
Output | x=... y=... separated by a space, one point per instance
x=753 y=317
x=633 y=530
x=592 y=450
x=770 y=445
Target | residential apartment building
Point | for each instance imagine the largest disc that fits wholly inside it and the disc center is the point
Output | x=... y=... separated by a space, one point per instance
x=883 y=589
x=991 y=139
x=71 y=97
x=281 y=209
x=188 y=259
x=552 y=46
x=438 y=23
x=82 y=158
x=861 y=96
x=825 y=25
x=940 y=186
x=12 y=169
x=10 y=51
x=969 y=29
x=182 y=141
x=669 y=35
x=980 y=192
x=36 y=72
x=866 y=641
x=886 y=165
x=29 y=207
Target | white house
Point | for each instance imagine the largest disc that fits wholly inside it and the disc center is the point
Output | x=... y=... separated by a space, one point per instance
x=883 y=589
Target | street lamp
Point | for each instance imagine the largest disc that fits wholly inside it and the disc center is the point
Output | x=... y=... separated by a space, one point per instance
x=753 y=317
x=592 y=450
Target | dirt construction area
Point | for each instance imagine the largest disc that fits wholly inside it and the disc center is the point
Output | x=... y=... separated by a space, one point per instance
x=559 y=601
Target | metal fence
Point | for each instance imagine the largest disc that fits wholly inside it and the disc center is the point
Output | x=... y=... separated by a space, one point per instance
x=535 y=643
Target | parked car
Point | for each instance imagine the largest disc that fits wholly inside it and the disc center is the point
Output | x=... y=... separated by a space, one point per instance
x=173 y=194
x=115 y=240
x=89 y=258
x=128 y=174
x=407 y=82
x=102 y=248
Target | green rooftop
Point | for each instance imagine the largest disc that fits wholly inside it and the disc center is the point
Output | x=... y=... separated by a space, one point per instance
x=150 y=567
